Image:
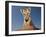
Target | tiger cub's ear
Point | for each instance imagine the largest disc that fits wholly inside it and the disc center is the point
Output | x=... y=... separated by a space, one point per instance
x=29 y=10
x=21 y=11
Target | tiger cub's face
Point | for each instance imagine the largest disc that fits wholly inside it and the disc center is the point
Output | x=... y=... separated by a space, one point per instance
x=26 y=13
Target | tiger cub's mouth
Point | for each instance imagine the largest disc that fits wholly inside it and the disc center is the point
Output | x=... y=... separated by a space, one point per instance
x=26 y=20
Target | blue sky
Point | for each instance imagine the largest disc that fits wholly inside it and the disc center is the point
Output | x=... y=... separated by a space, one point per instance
x=17 y=18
